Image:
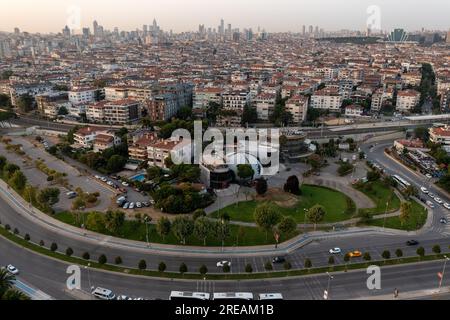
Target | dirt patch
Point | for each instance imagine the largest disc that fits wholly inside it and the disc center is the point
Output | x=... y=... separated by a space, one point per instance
x=279 y=197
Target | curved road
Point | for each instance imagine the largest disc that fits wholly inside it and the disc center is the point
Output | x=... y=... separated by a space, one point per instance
x=49 y=275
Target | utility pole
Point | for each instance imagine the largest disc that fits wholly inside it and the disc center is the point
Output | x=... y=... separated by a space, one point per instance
x=443 y=273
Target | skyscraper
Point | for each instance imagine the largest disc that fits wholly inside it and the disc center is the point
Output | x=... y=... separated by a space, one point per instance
x=86 y=32
x=95 y=25
x=66 y=31
x=448 y=37
x=304 y=30
x=311 y=29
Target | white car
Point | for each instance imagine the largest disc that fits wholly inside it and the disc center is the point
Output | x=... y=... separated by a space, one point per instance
x=429 y=176
x=132 y=205
x=138 y=205
x=424 y=190
x=447 y=206
x=125 y=184
x=335 y=251
x=222 y=264
x=431 y=195
x=438 y=200
x=103 y=179
x=110 y=183
x=13 y=270
x=97 y=177
x=430 y=204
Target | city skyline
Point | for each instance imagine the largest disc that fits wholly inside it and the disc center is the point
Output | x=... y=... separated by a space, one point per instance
x=181 y=16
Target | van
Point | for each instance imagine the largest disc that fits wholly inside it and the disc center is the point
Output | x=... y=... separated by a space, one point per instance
x=103 y=294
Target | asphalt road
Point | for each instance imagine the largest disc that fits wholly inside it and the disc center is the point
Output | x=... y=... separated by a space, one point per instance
x=50 y=277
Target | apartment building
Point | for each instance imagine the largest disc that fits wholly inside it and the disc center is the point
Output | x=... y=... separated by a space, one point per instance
x=440 y=135
x=236 y=100
x=138 y=151
x=298 y=107
x=120 y=112
x=158 y=152
x=85 y=137
x=49 y=104
x=163 y=107
x=407 y=100
x=265 y=105
x=204 y=96
x=106 y=140
x=328 y=99
x=354 y=110
x=84 y=95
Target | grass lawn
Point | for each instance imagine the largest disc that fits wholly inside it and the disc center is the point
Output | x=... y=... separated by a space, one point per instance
x=417 y=220
x=335 y=203
x=380 y=195
x=239 y=236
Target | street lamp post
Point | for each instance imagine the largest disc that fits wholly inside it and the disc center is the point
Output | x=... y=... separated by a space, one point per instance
x=89 y=277
x=385 y=215
x=146 y=230
x=304 y=224
x=443 y=273
x=327 y=292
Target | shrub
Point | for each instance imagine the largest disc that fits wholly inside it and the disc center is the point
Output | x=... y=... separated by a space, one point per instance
x=386 y=254
x=69 y=252
x=268 y=266
x=86 y=256
x=162 y=267
x=102 y=259
x=142 y=265
x=308 y=264
x=16 y=231
x=437 y=249
x=203 y=270
x=248 y=268
x=399 y=253
x=27 y=237
x=287 y=266
x=183 y=268
x=421 y=252
x=7 y=227
x=53 y=247
x=118 y=260
x=226 y=268
x=42 y=243
x=367 y=256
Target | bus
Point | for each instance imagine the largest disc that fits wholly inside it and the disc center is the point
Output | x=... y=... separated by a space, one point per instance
x=189 y=296
x=234 y=296
x=401 y=182
x=103 y=294
x=270 y=296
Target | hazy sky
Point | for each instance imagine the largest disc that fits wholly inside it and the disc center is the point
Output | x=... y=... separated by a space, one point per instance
x=184 y=15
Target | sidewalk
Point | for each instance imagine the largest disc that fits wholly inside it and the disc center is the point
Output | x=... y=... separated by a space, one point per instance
x=410 y=295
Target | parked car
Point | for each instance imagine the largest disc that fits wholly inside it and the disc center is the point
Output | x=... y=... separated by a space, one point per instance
x=71 y=195
x=138 y=205
x=438 y=200
x=126 y=205
x=132 y=205
x=125 y=184
x=430 y=204
x=443 y=221
x=447 y=206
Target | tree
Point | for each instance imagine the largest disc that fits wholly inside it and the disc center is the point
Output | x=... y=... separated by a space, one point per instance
x=315 y=161
x=331 y=260
x=226 y=268
x=268 y=266
x=183 y=268
x=48 y=196
x=25 y=103
x=249 y=115
x=18 y=181
x=86 y=256
x=345 y=168
x=163 y=227
x=14 y=295
x=287 y=266
x=63 y=111
x=405 y=212
x=373 y=176
x=422 y=133
x=421 y=252
x=293 y=185
x=308 y=264
x=116 y=163
x=437 y=249
x=95 y=221
x=248 y=268
x=162 y=267
x=222 y=229
x=386 y=254
x=316 y=215
x=9 y=169
x=142 y=265
x=102 y=259
x=203 y=270
x=118 y=260
x=399 y=253
x=182 y=228
x=261 y=186
x=411 y=191
x=53 y=247
x=267 y=217
x=245 y=171
x=114 y=221
x=7 y=281
x=69 y=252
x=287 y=225
x=199 y=213
x=203 y=228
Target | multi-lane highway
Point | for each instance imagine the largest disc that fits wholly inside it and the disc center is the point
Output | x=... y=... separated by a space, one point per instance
x=48 y=275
